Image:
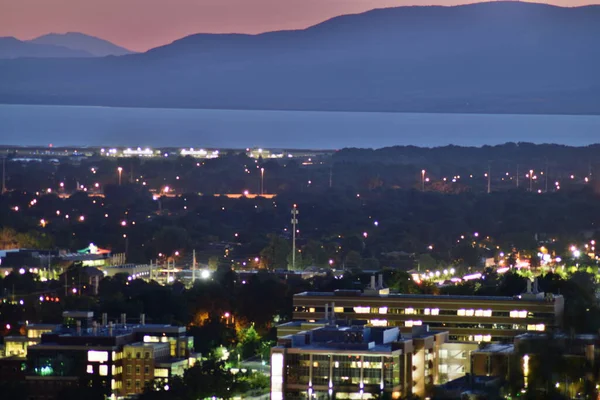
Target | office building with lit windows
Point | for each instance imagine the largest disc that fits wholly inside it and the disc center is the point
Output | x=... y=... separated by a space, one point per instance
x=467 y=318
x=355 y=362
x=117 y=359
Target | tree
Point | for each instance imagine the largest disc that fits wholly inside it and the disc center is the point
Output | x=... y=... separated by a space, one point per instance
x=353 y=260
x=275 y=254
x=248 y=342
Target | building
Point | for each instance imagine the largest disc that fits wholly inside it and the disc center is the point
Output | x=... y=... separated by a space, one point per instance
x=17 y=345
x=117 y=359
x=454 y=357
x=355 y=362
x=573 y=358
x=466 y=318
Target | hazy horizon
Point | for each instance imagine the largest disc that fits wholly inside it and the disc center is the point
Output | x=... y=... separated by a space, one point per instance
x=143 y=24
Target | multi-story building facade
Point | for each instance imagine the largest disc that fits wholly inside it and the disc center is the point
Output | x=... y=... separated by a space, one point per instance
x=139 y=364
x=466 y=318
x=117 y=359
x=355 y=362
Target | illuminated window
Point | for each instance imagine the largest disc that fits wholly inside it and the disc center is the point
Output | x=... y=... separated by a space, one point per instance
x=338 y=309
x=479 y=313
x=518 y=314
x=161 y=373
x=151 y=339
x=478 y=338
x=383 y=310
x=443 y=368
x=311 y=309
x=408 y=324
x=435 y=311
x=97 y=356
x=461 y=312
x=90 y=369
x=534 y=327
x=378 y=322
x=417 y=323
x=522 y=314
x=487 y=338
x=470 y=313
x=103 y=370
x=409 y=311
x=443 y=353
x=362 y=310
x=487 y=313
x=427 y=311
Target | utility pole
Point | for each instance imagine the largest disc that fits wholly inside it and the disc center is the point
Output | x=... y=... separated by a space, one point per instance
x=546 y=178
x=295 y=213
x=3 y=174
x=193 y=266
x=262 y=181
x=531 y=180
x=489 y=179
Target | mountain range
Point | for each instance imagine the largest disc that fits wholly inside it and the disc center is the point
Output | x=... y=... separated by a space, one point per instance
x=56 y=45
x=499 y=57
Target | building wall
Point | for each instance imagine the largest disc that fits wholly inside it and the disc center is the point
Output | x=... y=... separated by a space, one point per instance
x=296 y=372
x=138 y=366
x=455 y=360
x=467 y=319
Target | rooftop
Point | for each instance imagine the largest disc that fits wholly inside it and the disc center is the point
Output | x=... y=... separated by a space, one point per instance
x=358 y=293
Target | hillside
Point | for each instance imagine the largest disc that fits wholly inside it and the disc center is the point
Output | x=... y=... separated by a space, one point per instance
x=488 y=58
x=79 y=41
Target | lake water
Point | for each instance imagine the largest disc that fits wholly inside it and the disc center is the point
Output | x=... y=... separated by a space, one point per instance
x=106 y=126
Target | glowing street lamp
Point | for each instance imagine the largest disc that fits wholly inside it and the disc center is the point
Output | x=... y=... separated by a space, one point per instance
x=262 y=181
x=530 y=180
x=422 y=180
x=120 y=170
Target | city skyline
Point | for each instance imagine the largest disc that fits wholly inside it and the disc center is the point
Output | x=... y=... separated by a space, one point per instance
x=143 y=24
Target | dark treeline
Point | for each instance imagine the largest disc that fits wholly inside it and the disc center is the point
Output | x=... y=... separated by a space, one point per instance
x=356 y=169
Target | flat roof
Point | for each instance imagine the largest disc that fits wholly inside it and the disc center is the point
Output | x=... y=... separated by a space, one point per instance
x=348 y=294
x=496 y=348
x=146 y=344
x=157 y=328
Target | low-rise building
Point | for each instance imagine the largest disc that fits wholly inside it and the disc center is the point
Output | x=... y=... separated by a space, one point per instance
x=355 y=362
x=117 y=359
x=476 y=319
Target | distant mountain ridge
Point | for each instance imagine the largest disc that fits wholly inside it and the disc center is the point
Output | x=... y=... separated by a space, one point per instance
x=80 y=41
x=498 y=57
x=11 y=47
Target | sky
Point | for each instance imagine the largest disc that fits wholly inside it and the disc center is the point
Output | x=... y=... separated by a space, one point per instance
x=142 y=24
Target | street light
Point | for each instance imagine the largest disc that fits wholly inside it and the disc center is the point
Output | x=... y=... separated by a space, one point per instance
x=423 y=180
x=120 y=170
x=262 y=181
x=530 y=180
